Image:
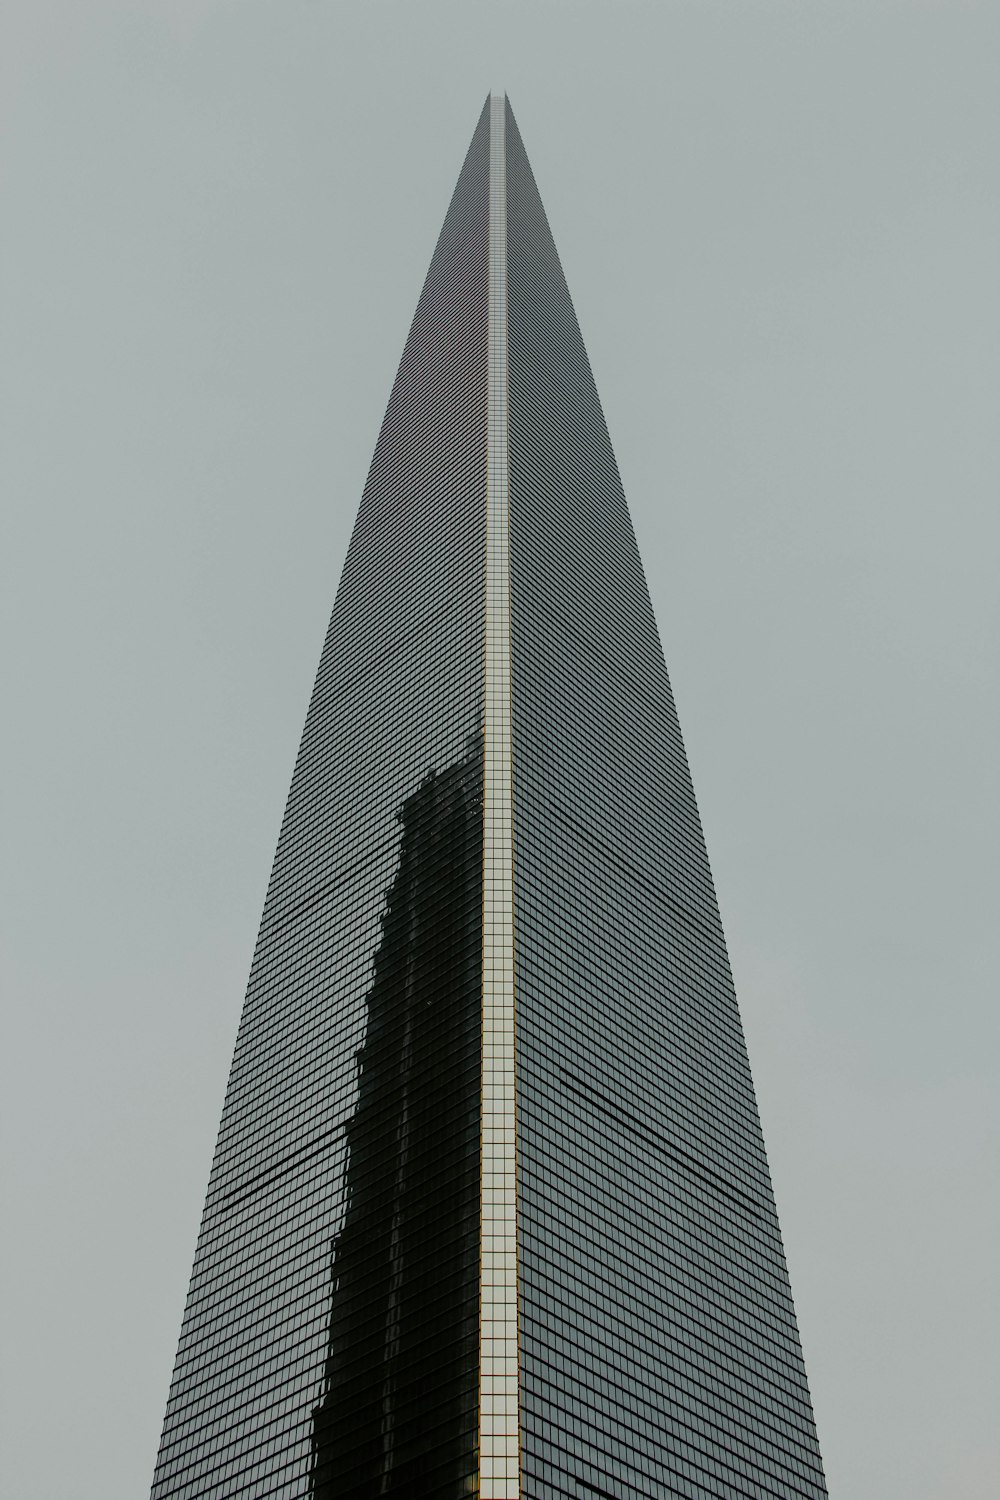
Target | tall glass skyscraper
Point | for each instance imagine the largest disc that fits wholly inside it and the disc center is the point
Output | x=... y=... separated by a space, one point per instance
x=489 y=1213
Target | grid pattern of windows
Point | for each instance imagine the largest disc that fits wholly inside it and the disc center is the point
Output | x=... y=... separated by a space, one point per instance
x=499 y=1404
x=329 y=1342
x=429 y=1268
x=660 y=1355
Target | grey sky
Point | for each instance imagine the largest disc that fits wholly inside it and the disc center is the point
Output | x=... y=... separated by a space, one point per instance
x=780 y=226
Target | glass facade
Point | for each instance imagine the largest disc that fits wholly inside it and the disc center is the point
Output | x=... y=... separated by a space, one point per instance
x=659 y=1349
x=489 y=1212
x=349 y=1133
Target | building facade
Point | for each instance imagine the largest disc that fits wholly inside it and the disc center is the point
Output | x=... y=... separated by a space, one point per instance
x=489 y=1213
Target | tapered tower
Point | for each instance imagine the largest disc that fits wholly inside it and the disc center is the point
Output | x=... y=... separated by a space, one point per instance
x=489 y=1213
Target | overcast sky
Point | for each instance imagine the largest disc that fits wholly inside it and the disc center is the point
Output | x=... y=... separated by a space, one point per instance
x=780 y=225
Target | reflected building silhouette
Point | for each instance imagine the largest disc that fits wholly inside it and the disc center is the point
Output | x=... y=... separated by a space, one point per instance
x=398 y=1413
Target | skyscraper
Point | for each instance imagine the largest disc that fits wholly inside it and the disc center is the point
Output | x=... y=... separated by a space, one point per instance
x=489 y=1212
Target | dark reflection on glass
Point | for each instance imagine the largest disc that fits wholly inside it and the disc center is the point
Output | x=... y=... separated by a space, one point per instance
x=399 y=1410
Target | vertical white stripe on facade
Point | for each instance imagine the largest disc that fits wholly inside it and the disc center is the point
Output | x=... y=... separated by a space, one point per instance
x=499 y=1440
